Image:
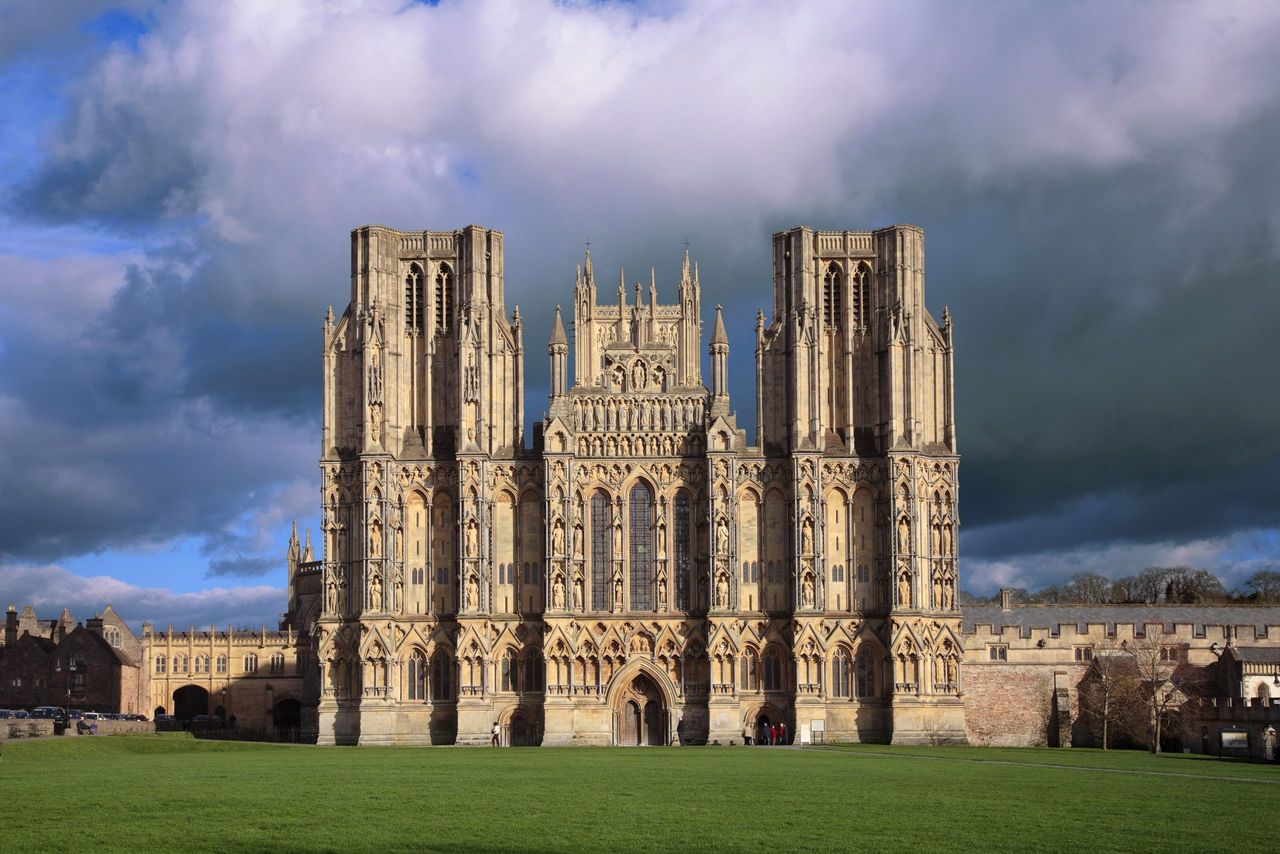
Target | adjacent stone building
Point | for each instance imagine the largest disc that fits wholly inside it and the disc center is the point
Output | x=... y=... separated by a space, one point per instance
x=95 y=666
x=639 y=566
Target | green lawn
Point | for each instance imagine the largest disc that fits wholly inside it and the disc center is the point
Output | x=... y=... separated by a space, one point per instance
x=146 y=793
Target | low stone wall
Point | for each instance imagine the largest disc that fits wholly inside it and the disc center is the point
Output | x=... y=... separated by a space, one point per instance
x=125 y=727
x=13 y=728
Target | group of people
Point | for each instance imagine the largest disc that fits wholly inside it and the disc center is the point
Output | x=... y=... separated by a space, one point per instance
x=766 y=734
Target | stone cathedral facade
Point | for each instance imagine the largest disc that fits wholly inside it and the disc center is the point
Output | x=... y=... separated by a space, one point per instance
x=640 y=566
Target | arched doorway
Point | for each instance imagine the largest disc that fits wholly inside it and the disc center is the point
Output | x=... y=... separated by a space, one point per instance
x=189 y=701
x=287 y=714
x=641 y=714
x=522 y=729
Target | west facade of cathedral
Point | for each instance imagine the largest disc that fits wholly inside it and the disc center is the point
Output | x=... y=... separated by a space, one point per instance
x=639 y=569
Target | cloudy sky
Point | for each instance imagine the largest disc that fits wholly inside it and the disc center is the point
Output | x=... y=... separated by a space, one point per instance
x=1099 y=184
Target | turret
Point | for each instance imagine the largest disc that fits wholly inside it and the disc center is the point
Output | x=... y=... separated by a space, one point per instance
x=11 y=626
x=558 y=350
x=719 y=350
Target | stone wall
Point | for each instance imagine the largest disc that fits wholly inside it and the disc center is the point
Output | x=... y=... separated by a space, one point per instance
x=1011 y=705
x=12 y=728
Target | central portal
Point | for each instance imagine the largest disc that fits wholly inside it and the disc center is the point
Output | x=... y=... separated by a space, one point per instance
x=640 y=714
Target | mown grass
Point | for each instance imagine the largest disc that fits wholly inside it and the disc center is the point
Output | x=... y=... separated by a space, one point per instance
x=150 y=793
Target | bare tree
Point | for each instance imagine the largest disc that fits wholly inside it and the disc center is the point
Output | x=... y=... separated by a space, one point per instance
x=1109 y=692
x=1159 y=695
x=1187 y=586
x=1264 y=586
x=1087 y=588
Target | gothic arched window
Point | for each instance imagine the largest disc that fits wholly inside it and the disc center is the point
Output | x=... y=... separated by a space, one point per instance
x=413 y=285
x=441 y=676
x=641 y=518
x=444 y=299
x=840 y=673
x=866 y=670
x=533 y=672
x=680 y=522
x=749 y=678
x=600 y=551
x=510 y=672
x=774 y=672
x=417 y=681
x=832 y=296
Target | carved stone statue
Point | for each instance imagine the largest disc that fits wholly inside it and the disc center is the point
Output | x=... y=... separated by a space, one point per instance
x=579 y=598
x=331 y=599
x=557 y=538
x=399 y=595
x=722 y=591
x=722 y=537
x=577 y=541
x=904 y=590
x=806 y=537
x=904 y=535
x=473 y=592
x=807 y=591
x=375 y=592
x=557 y=593
x=471 y=539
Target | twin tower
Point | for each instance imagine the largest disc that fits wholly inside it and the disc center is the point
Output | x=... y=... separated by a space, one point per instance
x=638 y=567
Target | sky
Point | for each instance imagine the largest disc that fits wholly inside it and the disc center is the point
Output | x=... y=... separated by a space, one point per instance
x=1098 y=183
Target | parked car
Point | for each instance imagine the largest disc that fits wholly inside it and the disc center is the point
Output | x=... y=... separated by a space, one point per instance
x=47 y=712
x=21 y=714
x=167 y=723
x=75 y=714
x=5 y=713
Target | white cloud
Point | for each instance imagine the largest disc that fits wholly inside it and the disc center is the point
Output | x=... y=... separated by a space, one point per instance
x=50 y=588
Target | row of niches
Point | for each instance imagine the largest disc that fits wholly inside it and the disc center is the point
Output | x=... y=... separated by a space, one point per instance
x=609 y=414
x=664 y=445
x=638 y=374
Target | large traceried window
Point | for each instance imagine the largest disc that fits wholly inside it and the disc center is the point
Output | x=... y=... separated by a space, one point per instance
x=641 y=517
x=533 y=672
x=866 y=668
x=750 y=677
x=840 y=673
x=510 y=672
x=774 y=670
x=417 y=673
x=441 y=676
x=681 y=544
x=600 y=552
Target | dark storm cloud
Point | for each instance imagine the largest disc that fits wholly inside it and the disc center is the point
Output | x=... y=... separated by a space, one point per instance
x=1100 y=205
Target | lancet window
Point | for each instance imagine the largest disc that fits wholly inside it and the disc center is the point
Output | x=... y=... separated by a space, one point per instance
x=680 y=522
x=600 y=551
x=641 y=517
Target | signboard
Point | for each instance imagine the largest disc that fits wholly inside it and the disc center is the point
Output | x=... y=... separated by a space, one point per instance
x=1239 y=740
x=1233 y=740
x=817 y=731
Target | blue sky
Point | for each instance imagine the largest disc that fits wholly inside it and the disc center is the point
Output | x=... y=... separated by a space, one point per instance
x=177 y=181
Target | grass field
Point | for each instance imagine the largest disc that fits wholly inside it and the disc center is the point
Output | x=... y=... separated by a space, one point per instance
x=172 y=792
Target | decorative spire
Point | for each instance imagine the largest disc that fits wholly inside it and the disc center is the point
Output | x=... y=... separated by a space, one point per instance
x=586 y=263
x=558 y=338
x=684 y=268
x=308 y=554
x=622 y=284
x=718 y=335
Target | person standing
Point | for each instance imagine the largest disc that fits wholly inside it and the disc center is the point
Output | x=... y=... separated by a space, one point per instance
x=773 y=734
x=680 y=732
x=497 y=731
x=782 y=732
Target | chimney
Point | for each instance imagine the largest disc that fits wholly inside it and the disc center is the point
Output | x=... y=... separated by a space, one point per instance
x=94 y=624
x=1006 y=598
x=11 y=626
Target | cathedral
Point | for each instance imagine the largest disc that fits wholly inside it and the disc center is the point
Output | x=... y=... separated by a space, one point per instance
x=639 y=569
